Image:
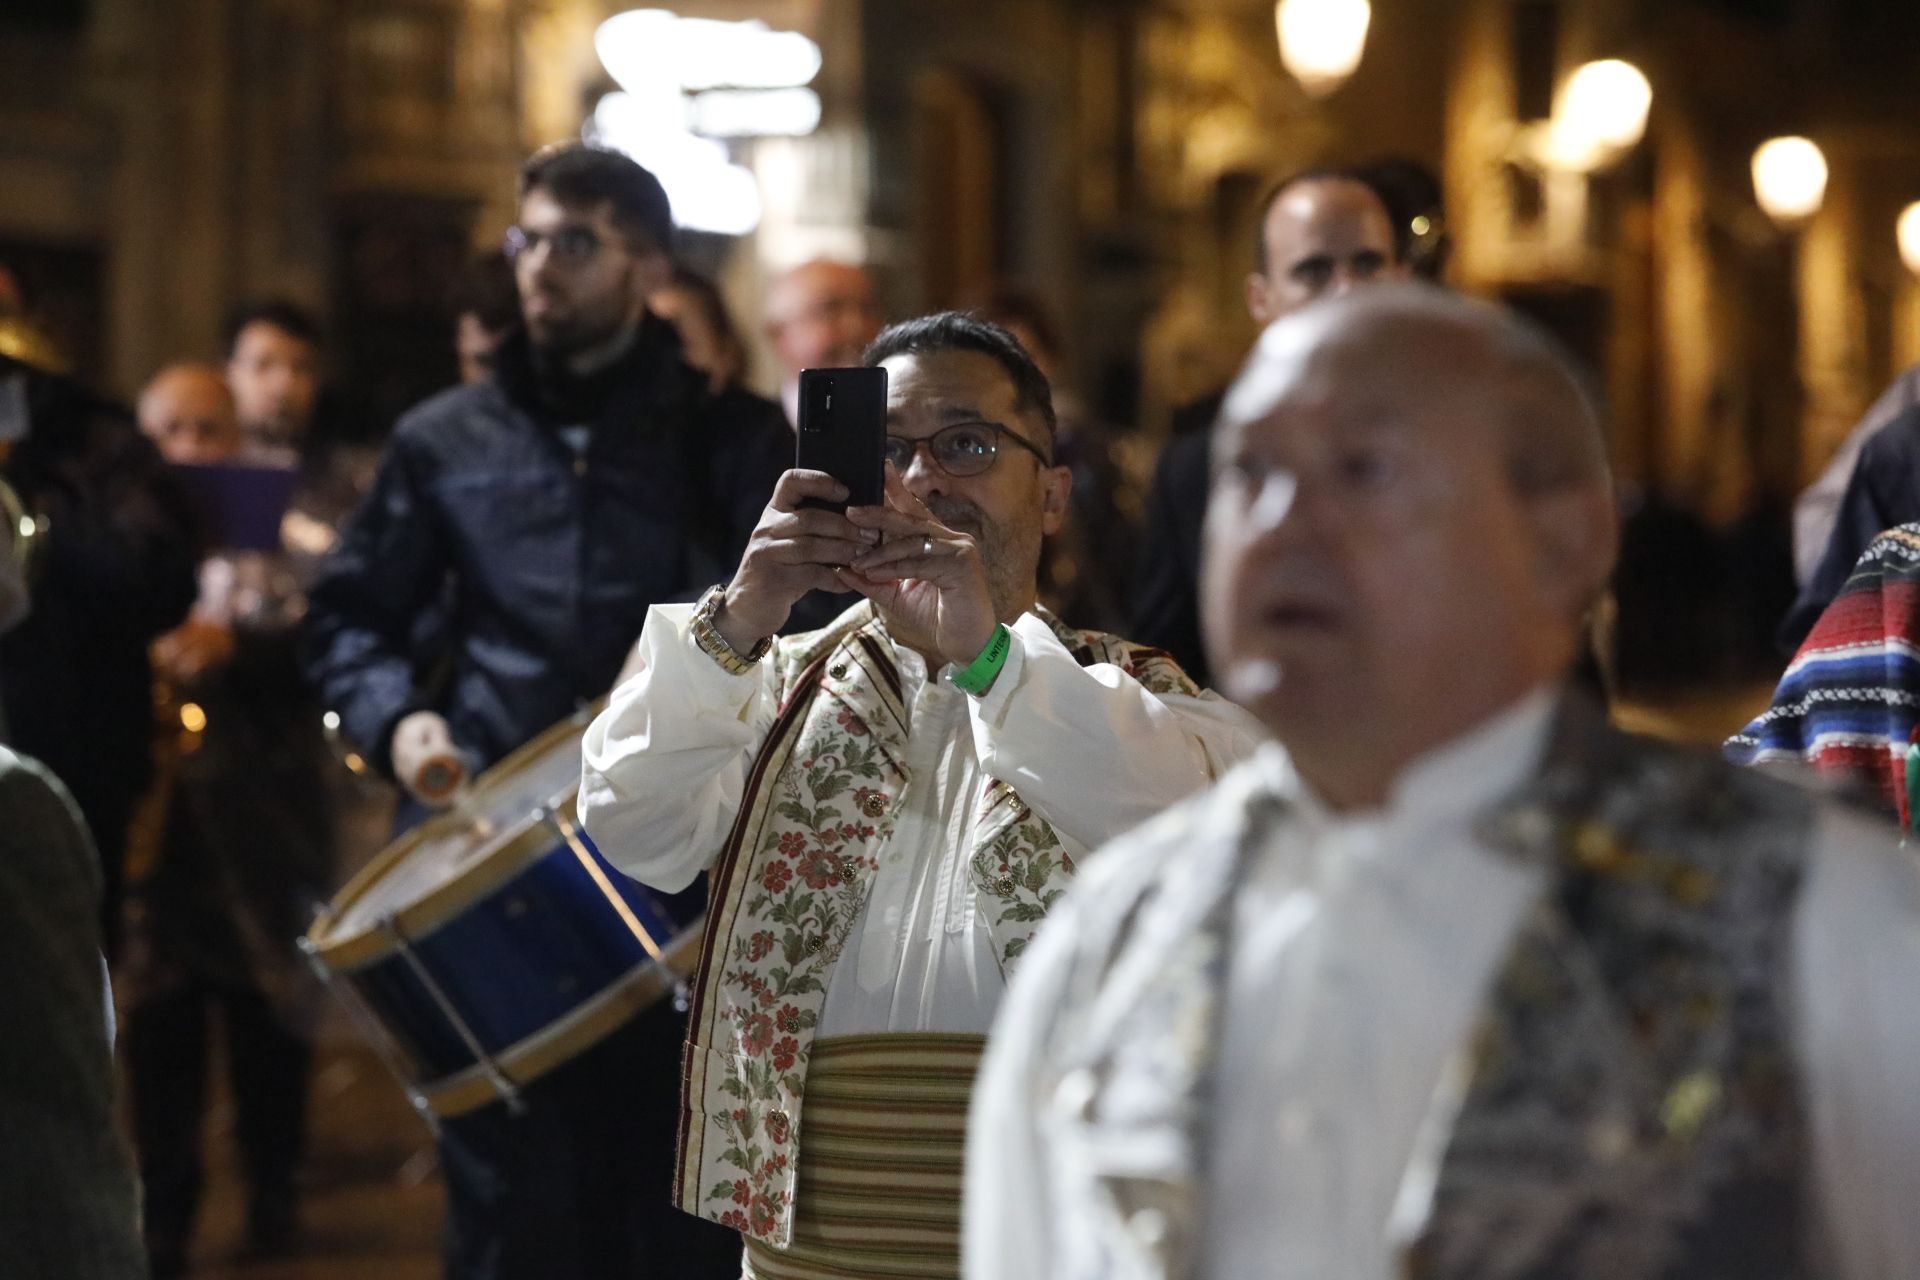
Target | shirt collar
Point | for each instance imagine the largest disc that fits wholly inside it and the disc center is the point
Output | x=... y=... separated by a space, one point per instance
x=1451 y=782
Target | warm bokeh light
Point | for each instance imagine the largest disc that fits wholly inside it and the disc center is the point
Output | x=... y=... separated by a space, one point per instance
x=1908 y=230
x=1321 y=40
x=1789 y=178
x=1606 y=103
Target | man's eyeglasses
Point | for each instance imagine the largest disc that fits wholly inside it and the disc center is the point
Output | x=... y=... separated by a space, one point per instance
x=569 y=244
x=961 y=450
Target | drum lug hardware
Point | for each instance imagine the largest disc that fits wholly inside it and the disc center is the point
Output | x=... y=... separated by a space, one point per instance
x=509 y=1092
x=384 y=1046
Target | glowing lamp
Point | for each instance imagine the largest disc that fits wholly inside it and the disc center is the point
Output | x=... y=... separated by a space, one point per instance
x=1321 y=40
x=1789 y=179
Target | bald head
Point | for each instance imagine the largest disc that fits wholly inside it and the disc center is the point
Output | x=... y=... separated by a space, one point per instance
x=188 y=412
x=1411 y=514
x=820 y=315
x=1321 y=235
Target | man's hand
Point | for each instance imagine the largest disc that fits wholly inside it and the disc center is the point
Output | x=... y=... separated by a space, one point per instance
x=425 y=760
x=793 y=550
x=191 y=649
x=926 y=576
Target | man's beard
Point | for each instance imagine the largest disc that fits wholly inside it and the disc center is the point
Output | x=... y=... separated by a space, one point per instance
x=1010 y=554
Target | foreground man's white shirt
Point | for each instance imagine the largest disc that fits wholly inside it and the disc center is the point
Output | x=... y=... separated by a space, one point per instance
x=1092 y=751
x=1363 y=947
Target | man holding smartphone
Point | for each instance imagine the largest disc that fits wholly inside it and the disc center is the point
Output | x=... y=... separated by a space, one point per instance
x=887 y=807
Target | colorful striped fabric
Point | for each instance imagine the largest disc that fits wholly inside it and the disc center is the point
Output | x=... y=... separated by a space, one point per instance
x=880 y=1161
x=1849 y=701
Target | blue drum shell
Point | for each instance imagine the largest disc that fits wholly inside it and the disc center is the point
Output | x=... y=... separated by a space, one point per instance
x=521 y=958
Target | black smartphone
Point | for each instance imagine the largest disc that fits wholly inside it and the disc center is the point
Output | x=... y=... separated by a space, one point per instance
x=843 y=432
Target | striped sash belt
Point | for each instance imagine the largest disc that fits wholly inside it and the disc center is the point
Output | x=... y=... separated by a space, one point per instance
x=881 y=1151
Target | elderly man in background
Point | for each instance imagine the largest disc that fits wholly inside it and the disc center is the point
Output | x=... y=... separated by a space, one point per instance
x=820 y=315
x=1461 y=983
x=236 y=854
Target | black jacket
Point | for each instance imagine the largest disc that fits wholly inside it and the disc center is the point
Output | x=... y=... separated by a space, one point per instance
x=546 y=560
x=1166 y=604
x=1884 y=491
x=118 y=568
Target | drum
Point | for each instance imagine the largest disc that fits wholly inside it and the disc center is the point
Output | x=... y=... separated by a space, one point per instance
x=494 y=943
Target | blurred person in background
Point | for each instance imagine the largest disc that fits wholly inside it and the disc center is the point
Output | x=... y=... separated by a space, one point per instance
x=115 y=570
x=485 y=310
x=234 y=857
x=1087 y=570
x=273 y=367
x=1322 y=233
x=820 y=315
x=709 y=340
x=69 y=1202
x=1871 y=485
x=594 y=475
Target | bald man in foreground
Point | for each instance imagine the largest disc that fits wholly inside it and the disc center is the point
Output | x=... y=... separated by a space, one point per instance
x=1455 y=982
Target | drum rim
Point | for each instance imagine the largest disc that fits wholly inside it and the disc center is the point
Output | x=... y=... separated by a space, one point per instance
x=567 y=1037
x=362 y=946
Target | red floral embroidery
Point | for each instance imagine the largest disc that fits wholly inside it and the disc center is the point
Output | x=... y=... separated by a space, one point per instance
x=777 y=1126
x=788 y=1019
x=777 y=877
x=735 y=1219
x=762 y=1213
x=851 y=723
x=820 y=870
x=792 y=844
x=783 y=1053
x=756 y=1033
x=741 y=1191
x=760 y=946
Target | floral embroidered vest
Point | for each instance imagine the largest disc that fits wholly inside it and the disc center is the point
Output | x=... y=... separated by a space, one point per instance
x=792 y=882
x=1633 y=1110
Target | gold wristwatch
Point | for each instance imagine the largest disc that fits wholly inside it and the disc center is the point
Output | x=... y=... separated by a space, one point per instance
x=715 y=645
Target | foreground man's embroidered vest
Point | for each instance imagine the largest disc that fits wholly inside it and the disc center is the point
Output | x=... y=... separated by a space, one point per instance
x=1634 y=1111
x=792 y=881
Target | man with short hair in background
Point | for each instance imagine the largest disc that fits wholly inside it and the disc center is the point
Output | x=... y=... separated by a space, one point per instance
x=1322 y=233
x=591 y=477
x=273 y=367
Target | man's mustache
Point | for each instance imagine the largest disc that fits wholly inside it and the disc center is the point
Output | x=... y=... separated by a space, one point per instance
x=956 y=511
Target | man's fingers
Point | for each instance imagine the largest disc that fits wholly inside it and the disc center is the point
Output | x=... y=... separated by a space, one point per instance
x=812 y=522
x=826 y=551
x=892 y=523
x=797 y=485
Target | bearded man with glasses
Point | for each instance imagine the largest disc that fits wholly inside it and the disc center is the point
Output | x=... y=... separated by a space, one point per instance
x=594 y=475
x=887 y=808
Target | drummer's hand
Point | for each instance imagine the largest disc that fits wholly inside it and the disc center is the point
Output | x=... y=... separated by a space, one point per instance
x=191 y=649
x=794 y=550
x=425 y=760
x=925 y=575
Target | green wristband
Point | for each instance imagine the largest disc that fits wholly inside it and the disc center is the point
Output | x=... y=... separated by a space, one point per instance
x=980 y=673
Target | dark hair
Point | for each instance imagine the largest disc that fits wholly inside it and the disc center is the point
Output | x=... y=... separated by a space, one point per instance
x=1009 y=306
x=288 y=317
x=484 y=289
x=1410 y=191
x=707 y=294
x=967 y=331
x=576 y=174
x=1326 y=174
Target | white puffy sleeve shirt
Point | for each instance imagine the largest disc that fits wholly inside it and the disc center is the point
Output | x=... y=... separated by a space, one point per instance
x=1091 y=750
